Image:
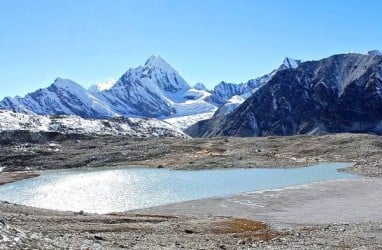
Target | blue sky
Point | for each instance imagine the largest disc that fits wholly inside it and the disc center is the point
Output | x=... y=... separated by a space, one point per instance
x=207 y=41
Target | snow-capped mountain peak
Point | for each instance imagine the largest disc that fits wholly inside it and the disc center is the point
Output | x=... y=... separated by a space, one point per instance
x=290 y=63
x=163 y=75
x=62 y=83
x=156 y=61
x=154 y=89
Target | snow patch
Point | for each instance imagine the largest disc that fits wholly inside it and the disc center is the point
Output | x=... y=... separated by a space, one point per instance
x=135 y=127
x=184 y=122
x=194 y=94
x=236 y=99
x=102 y=86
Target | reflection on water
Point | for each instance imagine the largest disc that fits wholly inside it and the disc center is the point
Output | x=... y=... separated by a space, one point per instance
x=117 y=189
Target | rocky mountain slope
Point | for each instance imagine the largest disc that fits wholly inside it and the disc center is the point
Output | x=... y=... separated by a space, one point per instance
x=342 y=93
x=135 y=127
x=228 y=96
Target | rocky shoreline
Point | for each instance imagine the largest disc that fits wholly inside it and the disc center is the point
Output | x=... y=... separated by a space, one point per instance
x=29 y=228
x=25 y=227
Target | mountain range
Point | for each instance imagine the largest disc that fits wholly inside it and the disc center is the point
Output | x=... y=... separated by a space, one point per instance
x=341 y=93
x=154 y=90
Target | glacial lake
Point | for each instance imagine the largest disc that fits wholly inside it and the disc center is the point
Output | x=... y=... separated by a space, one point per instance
x=105 y=190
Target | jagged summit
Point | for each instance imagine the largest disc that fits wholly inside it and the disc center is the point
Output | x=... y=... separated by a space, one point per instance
x=289 y=63
x=66 y=83
x=156 y=61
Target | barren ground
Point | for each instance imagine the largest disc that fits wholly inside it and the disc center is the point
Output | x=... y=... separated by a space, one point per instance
x=330 y=214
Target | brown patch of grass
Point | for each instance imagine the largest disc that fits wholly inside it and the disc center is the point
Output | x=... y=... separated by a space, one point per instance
x=239 y=226
x=245 y=228
x=244 y=225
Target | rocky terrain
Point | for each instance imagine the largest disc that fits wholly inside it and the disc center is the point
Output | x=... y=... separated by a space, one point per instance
x=212 y=227
x=38 y=151
x=28 y=228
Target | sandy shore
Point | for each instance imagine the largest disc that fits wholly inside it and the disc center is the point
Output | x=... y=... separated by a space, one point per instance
x=340 y=214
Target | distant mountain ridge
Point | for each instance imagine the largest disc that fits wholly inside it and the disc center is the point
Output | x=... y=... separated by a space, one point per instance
x=341 y=93
x=154 y=90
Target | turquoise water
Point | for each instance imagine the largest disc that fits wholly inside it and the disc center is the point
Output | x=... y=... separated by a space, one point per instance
x=118 y=189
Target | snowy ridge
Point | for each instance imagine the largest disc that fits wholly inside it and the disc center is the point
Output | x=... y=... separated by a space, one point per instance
x=135 y=127
x=63 y=97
